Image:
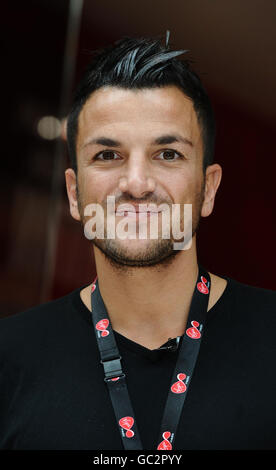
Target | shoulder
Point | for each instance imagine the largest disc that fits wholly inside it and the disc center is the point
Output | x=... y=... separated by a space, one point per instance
x=34 y=324
x=247 y=306
x=256 y=297
x=38 y=312
x=228 y=291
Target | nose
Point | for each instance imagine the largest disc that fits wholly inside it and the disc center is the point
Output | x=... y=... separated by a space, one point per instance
x=137 y=178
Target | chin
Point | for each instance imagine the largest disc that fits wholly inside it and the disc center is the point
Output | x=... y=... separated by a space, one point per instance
x=137 y=253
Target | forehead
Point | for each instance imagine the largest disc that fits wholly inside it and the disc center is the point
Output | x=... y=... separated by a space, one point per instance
x=137 y=115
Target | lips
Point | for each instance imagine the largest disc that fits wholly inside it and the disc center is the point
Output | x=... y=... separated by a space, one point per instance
x=134 y=213
x=135 y=210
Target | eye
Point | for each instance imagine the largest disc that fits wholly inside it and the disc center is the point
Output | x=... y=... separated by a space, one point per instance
x=170 y=155
x=106 y=155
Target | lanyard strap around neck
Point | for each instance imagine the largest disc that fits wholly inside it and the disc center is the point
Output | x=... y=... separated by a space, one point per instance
x=181 y=379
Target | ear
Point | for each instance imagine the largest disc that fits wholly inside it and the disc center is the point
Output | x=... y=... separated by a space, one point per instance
x=71 y=186
x=212 y=182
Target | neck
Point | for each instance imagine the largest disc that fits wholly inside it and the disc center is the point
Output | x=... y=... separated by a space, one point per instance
x=149 y=305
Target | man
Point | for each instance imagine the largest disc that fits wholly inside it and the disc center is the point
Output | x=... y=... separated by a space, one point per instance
x=156 y=353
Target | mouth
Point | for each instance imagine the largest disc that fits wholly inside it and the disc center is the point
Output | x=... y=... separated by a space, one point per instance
x=136 y=213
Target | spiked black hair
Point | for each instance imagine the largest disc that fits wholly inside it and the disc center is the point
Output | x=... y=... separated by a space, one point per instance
x=135 y=63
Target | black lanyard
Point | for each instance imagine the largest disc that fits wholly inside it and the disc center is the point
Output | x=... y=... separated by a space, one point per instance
x=181 y=379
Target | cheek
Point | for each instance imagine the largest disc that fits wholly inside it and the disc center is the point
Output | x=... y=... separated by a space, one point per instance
x=95 y=186
x=184 y=187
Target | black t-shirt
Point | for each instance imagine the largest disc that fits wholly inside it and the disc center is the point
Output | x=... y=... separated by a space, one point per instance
x=53 y=396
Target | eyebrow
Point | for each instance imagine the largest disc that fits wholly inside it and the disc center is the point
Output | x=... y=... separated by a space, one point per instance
x=162 y=140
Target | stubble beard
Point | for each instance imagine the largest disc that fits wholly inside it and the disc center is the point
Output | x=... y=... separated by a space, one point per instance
x=158 y=252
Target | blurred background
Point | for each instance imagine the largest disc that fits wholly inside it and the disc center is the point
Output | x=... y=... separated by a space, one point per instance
x=45 y=48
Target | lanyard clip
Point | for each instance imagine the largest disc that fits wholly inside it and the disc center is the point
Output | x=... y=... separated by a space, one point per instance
x=112 y=369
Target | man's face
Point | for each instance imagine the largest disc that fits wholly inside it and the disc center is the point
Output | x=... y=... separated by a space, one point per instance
x=140 y=146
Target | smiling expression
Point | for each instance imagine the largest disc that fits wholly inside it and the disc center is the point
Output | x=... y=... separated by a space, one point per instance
x=140 y=146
